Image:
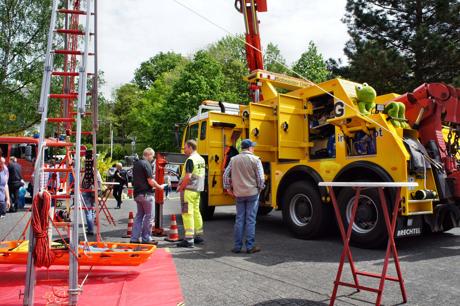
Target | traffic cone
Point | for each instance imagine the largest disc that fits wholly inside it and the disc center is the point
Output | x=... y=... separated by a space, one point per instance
x=130 y=225
x=173 y=230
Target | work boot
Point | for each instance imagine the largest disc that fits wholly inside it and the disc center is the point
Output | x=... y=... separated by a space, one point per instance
x=236 y=250
x=255 y=249
x=185 y=244
x=151 y=242
x=198 y=240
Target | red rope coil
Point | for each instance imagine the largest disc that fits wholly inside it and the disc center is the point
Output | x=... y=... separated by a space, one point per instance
x=43 y=256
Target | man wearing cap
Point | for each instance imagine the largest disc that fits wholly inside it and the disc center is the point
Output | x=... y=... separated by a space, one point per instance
x=244 y=178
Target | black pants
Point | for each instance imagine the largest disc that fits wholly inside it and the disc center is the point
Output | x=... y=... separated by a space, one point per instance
x=117 y=191
x=14 y=196
x=2 y=208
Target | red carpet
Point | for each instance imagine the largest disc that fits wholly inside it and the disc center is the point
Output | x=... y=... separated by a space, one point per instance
x=153 y=283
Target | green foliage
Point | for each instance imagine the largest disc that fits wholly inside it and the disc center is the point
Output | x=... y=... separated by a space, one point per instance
x=23 y=29
x=104 y=162
x=229 y=53
x=152 y=69
x=119 y=152
x=397 y=45
x=126 y=98
x=312 y=65
x=202 y=79
x=273 y=60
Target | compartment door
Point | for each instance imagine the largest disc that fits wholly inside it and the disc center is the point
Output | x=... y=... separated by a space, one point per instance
x=292 y=128
x=262 y=129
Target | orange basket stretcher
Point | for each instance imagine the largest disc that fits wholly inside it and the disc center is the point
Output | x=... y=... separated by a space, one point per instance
x=89 y=253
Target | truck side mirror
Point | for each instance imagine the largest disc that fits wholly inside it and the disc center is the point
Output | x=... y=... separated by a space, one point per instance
x=28 y=153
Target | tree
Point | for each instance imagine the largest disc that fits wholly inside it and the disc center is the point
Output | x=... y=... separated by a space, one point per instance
x=273 y=60
x=401 y=44
x=23 y=28
x=229 y=52
x=311 y=65
x=202 y=79
x=126 y=99
x=153 y=68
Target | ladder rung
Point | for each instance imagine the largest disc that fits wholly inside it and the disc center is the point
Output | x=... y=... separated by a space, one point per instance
x=75 y=12
x=61 y=119
x=83 y=133
x=61 y=196
x=70 y=31
x=70 y=52
x=59 y=144
x=85 y=114
x=63 y=96
x=64 y=170
x=62 y=224
x=65 y=73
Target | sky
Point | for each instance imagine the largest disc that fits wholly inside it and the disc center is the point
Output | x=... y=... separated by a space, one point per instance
x=132 y=31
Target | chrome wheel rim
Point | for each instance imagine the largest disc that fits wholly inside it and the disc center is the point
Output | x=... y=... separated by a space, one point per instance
x=367 y=215
x=301 y=209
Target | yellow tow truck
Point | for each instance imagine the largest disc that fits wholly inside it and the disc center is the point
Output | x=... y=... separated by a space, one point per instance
x=308 y=133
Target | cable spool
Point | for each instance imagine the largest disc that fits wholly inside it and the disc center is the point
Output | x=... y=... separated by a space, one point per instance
x=424 y=194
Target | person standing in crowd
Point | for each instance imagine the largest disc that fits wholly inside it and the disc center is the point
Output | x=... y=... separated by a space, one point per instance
x=190 y=186
x=244 y=179
x=90 y=202
x=111 y=173
x=4 y=192
x=119 y=177
x=14 y=182
x=143 y=182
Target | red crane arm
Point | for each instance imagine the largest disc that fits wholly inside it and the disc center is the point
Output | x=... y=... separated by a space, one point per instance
x=249 y=9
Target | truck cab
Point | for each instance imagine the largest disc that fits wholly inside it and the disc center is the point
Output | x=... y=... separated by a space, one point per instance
x=25 y=149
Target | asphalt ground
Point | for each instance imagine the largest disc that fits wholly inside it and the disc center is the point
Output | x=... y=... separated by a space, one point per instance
x=290 y=271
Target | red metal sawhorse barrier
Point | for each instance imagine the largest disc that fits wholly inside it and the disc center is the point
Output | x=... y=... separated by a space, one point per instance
x=103 y=201
x=390 y=225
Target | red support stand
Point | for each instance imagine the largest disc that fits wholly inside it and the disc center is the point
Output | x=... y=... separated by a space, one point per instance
x=161 y=162
x=391 y=247
x=103 y=202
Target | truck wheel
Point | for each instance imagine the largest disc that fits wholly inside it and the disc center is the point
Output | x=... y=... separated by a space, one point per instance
x=264 y=210
x=369 y=230
x=303 y=212
x=207 y=212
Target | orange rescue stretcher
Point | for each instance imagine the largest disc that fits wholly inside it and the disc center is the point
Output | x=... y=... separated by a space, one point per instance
x=89 y=253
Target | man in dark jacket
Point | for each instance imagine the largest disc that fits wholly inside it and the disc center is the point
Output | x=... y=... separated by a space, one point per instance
x=14 y=182
x=143 y=183
x=120 y=178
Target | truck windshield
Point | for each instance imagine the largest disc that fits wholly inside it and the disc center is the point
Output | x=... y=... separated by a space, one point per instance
x=192 y=132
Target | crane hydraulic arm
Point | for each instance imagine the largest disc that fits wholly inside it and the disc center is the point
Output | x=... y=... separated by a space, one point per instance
x=249 y=9
x=428 y=108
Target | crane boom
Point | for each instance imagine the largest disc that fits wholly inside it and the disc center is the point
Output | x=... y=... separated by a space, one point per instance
x=249 y=9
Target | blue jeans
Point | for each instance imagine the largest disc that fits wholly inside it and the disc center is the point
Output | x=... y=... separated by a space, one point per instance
x=246 y=212
x=88 y=197
x=143 y=221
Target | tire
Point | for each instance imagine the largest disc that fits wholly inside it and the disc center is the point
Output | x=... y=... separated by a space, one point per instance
x=303 y=212
x=369 y=230
x=207 y=212
x=264 y=210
